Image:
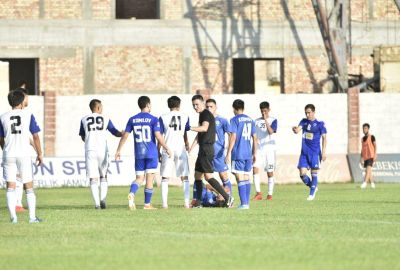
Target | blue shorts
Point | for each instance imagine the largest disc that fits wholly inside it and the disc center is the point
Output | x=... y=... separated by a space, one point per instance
x=146 y=165
x=309 y=161
x=219 y=164
x=242 y=166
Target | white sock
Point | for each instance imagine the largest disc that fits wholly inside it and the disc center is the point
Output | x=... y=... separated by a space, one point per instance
x=11 y=201
x=103 y=189
x=271 y=184
x=256 y=180
x=31 y=200
x=19 y=191
x=94 y=187
x=186 y=191
x=164 y=192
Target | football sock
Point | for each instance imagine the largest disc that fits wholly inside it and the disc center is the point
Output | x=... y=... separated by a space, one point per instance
x=94 y=187
x=164 y=192
x=134 y=187
x=148 y=193
x=256 y=179
x=31 y=200
x=103 y=189
x=314 y=183
x=186 y=191
x=216 y=185
x=199 y=189
x=271 y=184
x=227 y=183
x=11 y=201
x=306 y=180
x=242 y=192
x=248 y=191
x=19 y=190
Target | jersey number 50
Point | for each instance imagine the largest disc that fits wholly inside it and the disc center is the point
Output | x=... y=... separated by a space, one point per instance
x=142 y=133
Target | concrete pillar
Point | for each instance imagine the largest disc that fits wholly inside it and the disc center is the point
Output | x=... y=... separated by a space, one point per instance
x=88 y=70
x=353 y=105
x=87 y=9
x=4 y=83
x=50 y=100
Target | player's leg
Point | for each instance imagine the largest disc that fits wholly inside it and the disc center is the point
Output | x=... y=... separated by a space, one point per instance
x=92 y=172
x=198 y=183
x=182 y=171
x=314 y=184
x=222 y=168
x=270 y=168
x=9 y=174
x=165 y=171
x=303 y=169
x=238 y=170
x=104 y=164
x=140 y=171
x=19 y=191
x=368 y=175
x=226 y=182
x=151 y=165
x=260 y=160
x=25 y=166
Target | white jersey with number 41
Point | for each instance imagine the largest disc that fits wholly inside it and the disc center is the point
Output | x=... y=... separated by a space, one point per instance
x=173 y=126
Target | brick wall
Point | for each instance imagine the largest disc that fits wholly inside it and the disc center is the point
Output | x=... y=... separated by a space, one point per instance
x=63 y=9
x=63 y=75
x=19 y=9
x=101 y=9
x=50 y=123
x=136 y=69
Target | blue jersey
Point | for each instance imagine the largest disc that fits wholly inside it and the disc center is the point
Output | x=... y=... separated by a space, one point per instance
x=221 y=127
x=312 y=132
x=244 y=128
x=144 y=125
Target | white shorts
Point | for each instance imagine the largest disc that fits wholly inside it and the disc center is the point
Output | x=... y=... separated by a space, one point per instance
x=181 y=162
x=21 y=166
x=265 y=160
x=96 y=164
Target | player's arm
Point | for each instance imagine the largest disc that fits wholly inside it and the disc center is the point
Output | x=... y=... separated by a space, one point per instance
x=38 y=149
x=232 y=140
x=203 y=128
x=296 y=129
x=194 y=143
x=323 y=147
x=82 y=132
x=1 y=136
x=2 y=142
x=161 y=142
x=113 y=130
x=186 y=140
x=121 y=143
x=375 y=147
x=254 y=147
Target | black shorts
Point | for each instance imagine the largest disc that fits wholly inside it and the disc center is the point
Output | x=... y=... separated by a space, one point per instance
x=205 y=159
x=368 y=162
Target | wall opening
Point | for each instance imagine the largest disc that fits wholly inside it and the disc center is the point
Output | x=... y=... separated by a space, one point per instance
x=23 y=70
x=137 y=9
x=258 y=75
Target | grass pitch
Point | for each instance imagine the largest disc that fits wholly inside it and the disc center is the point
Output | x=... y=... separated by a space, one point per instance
x=344 y=228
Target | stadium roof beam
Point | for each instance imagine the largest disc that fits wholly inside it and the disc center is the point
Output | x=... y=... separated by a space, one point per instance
x=333 y=30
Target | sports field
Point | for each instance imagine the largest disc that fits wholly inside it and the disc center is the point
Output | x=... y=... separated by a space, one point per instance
x=344 y=228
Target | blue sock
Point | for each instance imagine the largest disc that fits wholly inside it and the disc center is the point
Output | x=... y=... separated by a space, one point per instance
x=228 y=184
x=306 y=180
x=134 y=187
x=148 y=193
x=314 y=183
x=242 y=192
x=248 y=192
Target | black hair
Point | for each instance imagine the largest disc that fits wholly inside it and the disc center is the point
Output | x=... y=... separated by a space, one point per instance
x=238 y=104
x=366 y=125
x=200 y=97
x=93 y=103
x=211 y=100
x=310 y=106
x=264 y=105
x=15 y=98
x=174 y=102
x=143 y=101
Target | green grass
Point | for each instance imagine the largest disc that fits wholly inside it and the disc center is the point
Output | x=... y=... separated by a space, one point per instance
x=344 y=228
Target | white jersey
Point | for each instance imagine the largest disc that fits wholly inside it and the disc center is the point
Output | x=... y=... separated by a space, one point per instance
x=94 y=130
x=16 y=126
x=173 y=126
x=264 y=138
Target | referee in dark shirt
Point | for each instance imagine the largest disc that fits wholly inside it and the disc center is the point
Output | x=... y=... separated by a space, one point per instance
x=204 y=162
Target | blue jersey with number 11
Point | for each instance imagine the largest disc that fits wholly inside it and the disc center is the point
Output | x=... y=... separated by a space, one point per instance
x=144 y=125
x=244 y=128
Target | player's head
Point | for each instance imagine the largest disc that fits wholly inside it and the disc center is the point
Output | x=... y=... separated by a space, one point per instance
x=174 y=102
x=198 y=103
x=365 y=128
x=211 y=105
x=16 y=98
x=309 y=110
x=96 y=106
x=25 y=103
x=264 y=108
x=238 y=106
x=144 y=103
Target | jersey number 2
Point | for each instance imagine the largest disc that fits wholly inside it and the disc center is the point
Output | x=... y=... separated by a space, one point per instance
x=16 y=122
x=91 y=121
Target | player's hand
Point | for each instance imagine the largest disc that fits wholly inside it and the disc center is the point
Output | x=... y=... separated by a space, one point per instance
x=254 y=158
x=374 y=159
x=117 y=155
x=39 y=160
x=323 y=156
x=228 y=158
x=295 y=130
x=170 y=153
x=187 y=147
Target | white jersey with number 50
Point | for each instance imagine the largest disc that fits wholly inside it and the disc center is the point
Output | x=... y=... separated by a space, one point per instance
x=173 y=126
x=16 y=126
